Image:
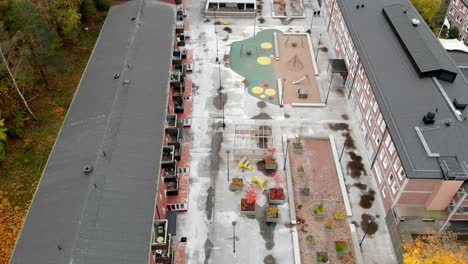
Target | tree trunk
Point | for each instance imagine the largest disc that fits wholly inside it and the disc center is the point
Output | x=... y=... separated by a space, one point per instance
x=16 y=85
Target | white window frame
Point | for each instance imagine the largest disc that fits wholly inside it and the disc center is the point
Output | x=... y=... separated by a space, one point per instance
x=401 y=173
x=376 y=137
x=394 y=187
x=377 y=172
x=391 y=149
x=397 y=164
x=390 y=178
x=382 y=126
x=375 y=107
x=368 y=113
x=385 y=163
x=387 y=140
x=382 y=155
x=384 y=192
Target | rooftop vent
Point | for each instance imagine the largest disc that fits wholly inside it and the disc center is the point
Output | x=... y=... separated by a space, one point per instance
x=415 y=22
x=459 y=105
x=429 y=118
x=87 y=169
x=357 y=6
x=362 y=6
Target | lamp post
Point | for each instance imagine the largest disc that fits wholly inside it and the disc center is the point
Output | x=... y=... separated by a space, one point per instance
x=329 y=88
x=216 y=33
x=286 y=154
x=318 y=46
x=311 y=23
x=234 y=223
x=227 y=153
x=367 y=229
x=344 y=145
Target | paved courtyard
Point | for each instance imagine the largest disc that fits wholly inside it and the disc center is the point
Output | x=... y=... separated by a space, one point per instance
x=212 y=207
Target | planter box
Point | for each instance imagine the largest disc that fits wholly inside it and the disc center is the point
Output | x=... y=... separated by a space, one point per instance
x=271 y=166
x=321 y=257
x=304 y=195
x=271 y=220
x=236 y=188
x=248 y=213
x=247 y=209
x=328 y=229
x=276 y=200
x=300 y=173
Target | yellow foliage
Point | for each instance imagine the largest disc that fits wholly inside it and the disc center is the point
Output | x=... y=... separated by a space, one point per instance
x=434 y=249
x=427 y=8
x=11 y=220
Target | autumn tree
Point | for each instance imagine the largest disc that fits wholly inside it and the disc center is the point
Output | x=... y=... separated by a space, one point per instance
x=427 y=8
x=429 y=249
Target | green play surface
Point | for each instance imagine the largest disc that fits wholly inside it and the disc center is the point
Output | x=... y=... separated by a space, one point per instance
x=253 y=59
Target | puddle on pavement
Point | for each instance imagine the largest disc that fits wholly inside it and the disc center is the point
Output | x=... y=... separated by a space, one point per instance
x=338 y=126
x=262 y=116
x=367 y=199
x=355 y=167
x=260 y=166
x=349 y=141
x=220 y=100
x=360 y=186
x=267 y=233
x=261 y=104
x=367 y=224
x=269 y=260
x=345 y=116
x=208 y=248
x=287 y=116
x=227 y=29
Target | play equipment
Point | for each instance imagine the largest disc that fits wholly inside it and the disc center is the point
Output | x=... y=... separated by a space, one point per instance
x=300 y=80
x=260 y=180
x=244 y=163
x=295 y=64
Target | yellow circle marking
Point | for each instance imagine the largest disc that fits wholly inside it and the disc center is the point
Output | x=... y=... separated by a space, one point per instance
x=257 y=90
x=270 y=92
x=263 y=60
x=266 y=45
x=262 y=96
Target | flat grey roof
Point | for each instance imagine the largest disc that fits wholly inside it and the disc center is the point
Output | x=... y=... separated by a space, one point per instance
x=461 y=59
x=403 y=97
x=107 y=216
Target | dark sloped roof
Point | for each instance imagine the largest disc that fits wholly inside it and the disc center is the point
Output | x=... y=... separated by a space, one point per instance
x=106 y=216
x=421 y=54
x=403 y=96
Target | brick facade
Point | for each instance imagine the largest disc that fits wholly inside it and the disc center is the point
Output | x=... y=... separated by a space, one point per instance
x=457 y=14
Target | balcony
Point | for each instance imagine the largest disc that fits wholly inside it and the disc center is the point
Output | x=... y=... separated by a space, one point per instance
x=169 y=172
x=177 y=89
x=179 y=27
x=171 y=121
x=177 y=77
x=172 y=187
x=161 y=242
x=167 y=155
x=179 y=106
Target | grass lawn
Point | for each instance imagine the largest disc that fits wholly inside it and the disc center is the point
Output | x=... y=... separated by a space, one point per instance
x=26 y=157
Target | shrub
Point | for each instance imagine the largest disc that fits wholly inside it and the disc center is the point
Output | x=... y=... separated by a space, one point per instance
x=272 y=212
x=319 y=209
x=15 y=126
x=87 y=9
x=3 y=138
x=338 y=215
x=453 y=32
x=310 y=239
x=341 y=246
x=103 y=5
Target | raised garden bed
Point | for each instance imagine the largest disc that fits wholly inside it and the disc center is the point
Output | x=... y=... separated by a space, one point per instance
x=339 y=215
x=236 y=185
x=270 y=164
x=328 y=225
x=300 y=171
x=297 y=146
x=272 y=214
x=341 y=248
x=247 y=208
x=319 y=210
x=321 y=257
x=276 y=196
x=310 y=239
x=305 y=194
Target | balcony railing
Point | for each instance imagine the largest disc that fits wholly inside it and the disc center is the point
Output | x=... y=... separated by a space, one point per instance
x=167 y=155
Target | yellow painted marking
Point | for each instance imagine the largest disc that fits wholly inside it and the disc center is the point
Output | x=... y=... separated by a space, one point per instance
x=257 y=90
x=262 y=96
x=263 y=60
x=266 y=45
x=270 y=92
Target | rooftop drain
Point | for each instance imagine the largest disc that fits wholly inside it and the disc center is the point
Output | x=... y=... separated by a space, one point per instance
x=87 y=169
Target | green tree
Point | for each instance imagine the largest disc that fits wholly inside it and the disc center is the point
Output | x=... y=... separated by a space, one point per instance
x=3 y=138
x=427 y=8
x=453 y=32
x=34 y=31
x=67 y=17
x=87 y=9
x=103 y=5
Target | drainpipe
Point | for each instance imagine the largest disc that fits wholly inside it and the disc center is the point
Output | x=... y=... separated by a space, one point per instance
x=380 y=146
x=400 y=192
x=354 y=78
x=465 y=194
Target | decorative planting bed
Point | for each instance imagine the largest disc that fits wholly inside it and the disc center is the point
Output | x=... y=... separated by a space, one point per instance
x=276 y=196
x=300 y=171
x=247 y=208
x=310 y=240
x=328 y=225
x=319 y=210
x=341 y=248
x=237 y=185
x=339 y=215
x=272 y=214
x=304 y=193
x=321 y=257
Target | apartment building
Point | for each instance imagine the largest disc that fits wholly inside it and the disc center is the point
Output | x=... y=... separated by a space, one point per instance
x=457 y=14
x=409 y=100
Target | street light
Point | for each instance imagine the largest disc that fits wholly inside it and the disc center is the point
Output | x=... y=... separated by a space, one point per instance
x=329 y=88
x=372 y=220
x=227 y=153
x=344 y=145
x=286 y=155
x=311 y=23
x=318 y=46
x=234 y=223
x=216 y=33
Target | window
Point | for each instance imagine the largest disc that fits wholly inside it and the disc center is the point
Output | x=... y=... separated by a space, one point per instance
x=397 y=164
x=390 y=178
x=391 y=149
x=385 y=163
x=376 y=137
x=394 y=187
x=387 y=140
x=367 y=89
x=379 y=119
x=377 y=172
x=382 y=155
x=401 y=174
x=451 y=11
x=371 y=120
x=367 y=115
x=384 y=192
x=358 y=88
x=375 y=106
x=382 y=126
x=364 y=103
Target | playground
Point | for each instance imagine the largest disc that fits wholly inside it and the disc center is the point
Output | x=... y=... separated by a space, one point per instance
x=296 y=67
x=253 y=59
